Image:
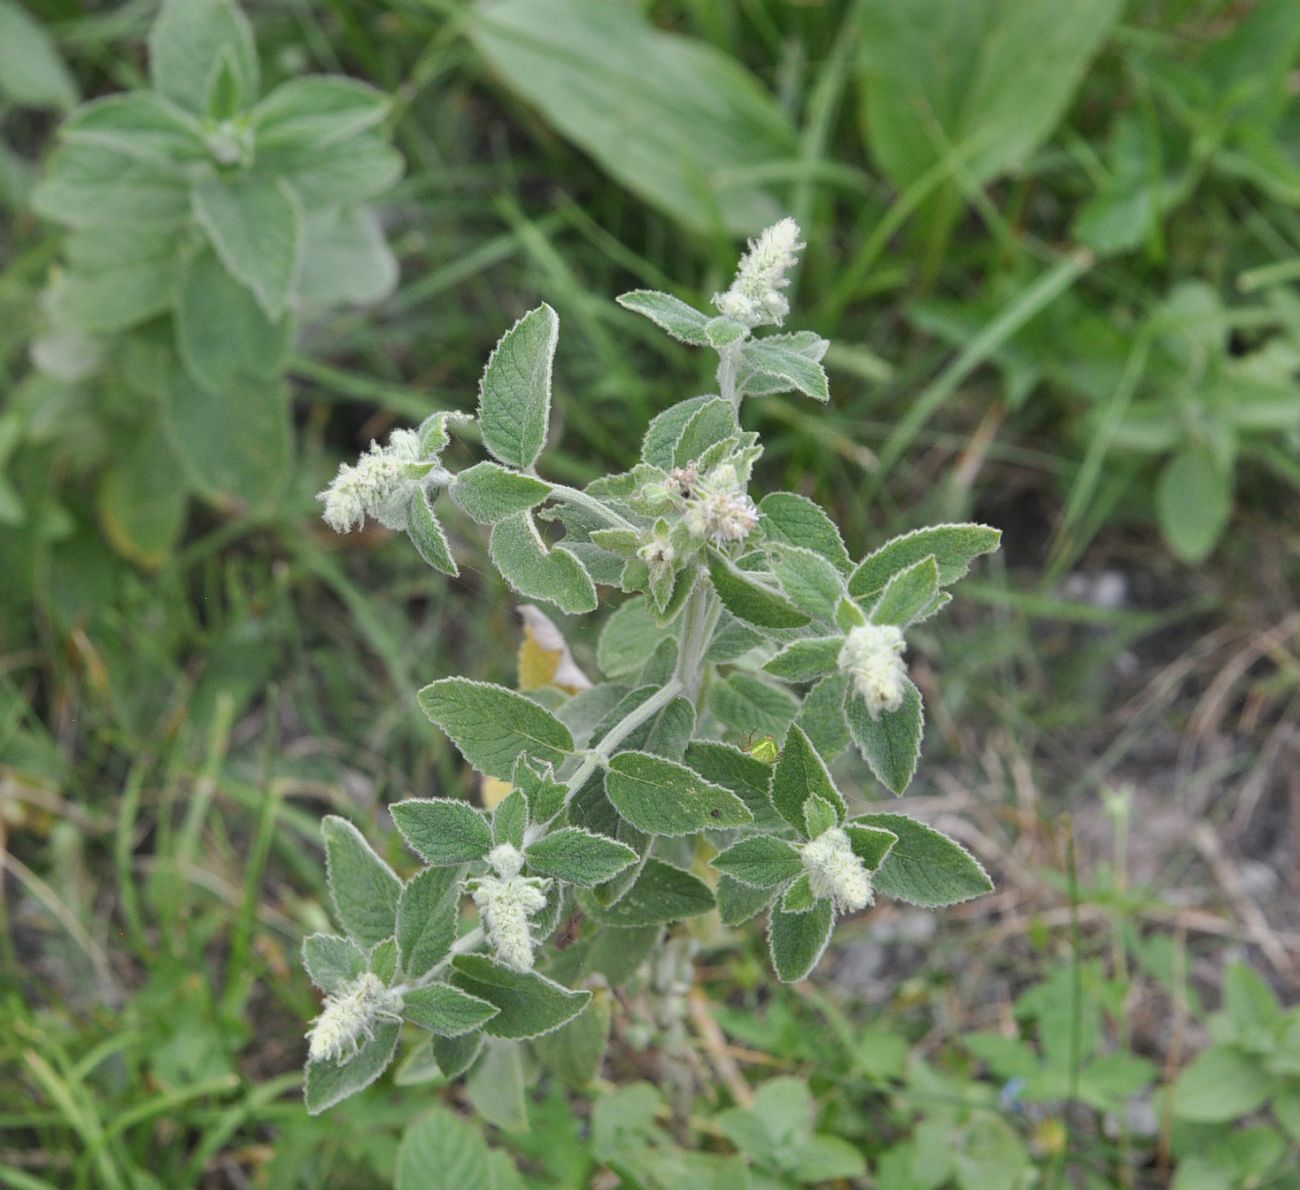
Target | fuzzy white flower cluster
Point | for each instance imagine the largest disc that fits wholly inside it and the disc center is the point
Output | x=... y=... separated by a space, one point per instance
x=755 y=296
x=835 y=871
x=349 y=1017
x=506 y=902
x=719 y=508
x=380 y=485
x=872 y=655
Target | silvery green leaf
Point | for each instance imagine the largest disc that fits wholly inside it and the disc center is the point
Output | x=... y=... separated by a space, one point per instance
x=364 y=888
x=515 y=394
x=798 y=896
x=807 y=659
x=751 y=705
x=530 y=1004
x=331 y=960
x=822 y=715
x=723 y=332
x=819 y=815
x=419 y=1067
x=661 y=893
x=891 y=745
x=713 y=422
x=139 y=124
x=443 y=1141
x=188 y=44
x=617 y=953
x=750 y=600
x=749 y=778
x=510 y=819
x=444 y=831
x=496 y=1088
x=426 y=533
x=661 y=797
x=383 y=960
x=796 y=520
x=732 y=640
x=871 y=844
x=797 y=941
x=573 y=1052
x=328 y=1082
x=628 y=638
x=446 y=1010
x=493 y=726
x=427 y=916
x=605 y=569
x=777 y=364
x=908 y=594
x=800 y=774
x=925 y=867
x=544 y=794
x=525 y=562
x=88 y=185
x=345 y=260
x=31 y=72
x=666 y=428
x=761 y=861
x=317 y=110
x=954 y=548
x=671 y=314
x=221 y=329
x=738 y=902
x=579 y=857
x=114 y=299
x=435 y=431
x=811 y=582
x=489 y=492
x=255 y=225
x=343 y=174
x=455 y=1055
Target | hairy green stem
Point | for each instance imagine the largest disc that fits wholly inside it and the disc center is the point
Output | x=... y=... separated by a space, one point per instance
x=573 y=496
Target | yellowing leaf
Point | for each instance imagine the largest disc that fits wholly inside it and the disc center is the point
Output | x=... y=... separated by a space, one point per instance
x=494 y=791
x=544 y=657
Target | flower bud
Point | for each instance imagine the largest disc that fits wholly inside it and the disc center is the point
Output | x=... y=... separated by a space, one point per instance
x=380 y=485
x=755 y=296
x=872 y=655
x=348 y=1018
x=835 y=871
x=506 y=902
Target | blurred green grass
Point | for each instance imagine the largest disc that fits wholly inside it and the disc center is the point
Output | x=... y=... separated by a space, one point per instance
x=169 y=741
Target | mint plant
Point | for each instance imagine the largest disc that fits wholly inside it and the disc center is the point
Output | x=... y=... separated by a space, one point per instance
x=206 y=219
x=640 y=800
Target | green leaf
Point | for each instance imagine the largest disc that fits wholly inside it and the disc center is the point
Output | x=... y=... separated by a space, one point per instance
x=383 y=960
x=678 y=122
x=738 y=903
x=660 y=442
x=446 y=1010
x=142 y=499
x=925 y=867
x=748 y=600
x=116 y=280
x=1221 y=1084
x=772 y=360
x=662 y=893
x=255 y=225
x=713 y=422
x=796 y=520
x=139 y=124
x=573 y=1052
x=871 y=844
x=427 y=915
x=908 y=594
x=364 y=889
x=339 y=175
x=811 y=582
x=545 y=795
x=510 y=819
x=236 y=442
x=455 y=1055
x=442 y=1141
x=317 y=110
x=796 y=941
x=819 y=816
x=954 y=548
x=496 y=1087
x=221 y=329
x=444 y=831
x=1194 y=502
x=986 y=81
x=328 y=1083
x=891 y=745
x=488 y=492
x=530 y=1004
x=492 y=726
x=426 y=533
x=805 y=660
x=761 y=861
x=798 y=898
x=90 y=185
x=31 y=72
x=749 y=778
x=579 y=857
x=822 y=715
x=525 y=562
x=345 y=258
x=751 y=705
x=628 y=638
x=187 y=45
x=683 y=322
x=800 y=774
x=515 y=393
x=330 y=960
x=661 y=797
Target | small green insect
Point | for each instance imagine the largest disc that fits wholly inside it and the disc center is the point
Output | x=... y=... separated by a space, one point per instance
x=765 y=749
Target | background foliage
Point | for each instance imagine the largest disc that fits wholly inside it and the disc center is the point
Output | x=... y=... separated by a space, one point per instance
x=1054 y=245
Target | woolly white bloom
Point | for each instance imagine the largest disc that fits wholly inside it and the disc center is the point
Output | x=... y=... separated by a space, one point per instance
x=506 y=902
x=380 y=485
x=349 y=1017
x=720 y=508
x=755 y=296
x=834 y=871
x=872 y=656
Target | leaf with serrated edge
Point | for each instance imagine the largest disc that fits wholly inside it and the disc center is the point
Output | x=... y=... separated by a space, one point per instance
x=806 y=660
x=664 y=798
x=800 y=774
x=925 y=867
x=532 y=568
x=954 y=548
x=515 y=394
x=761 y=861
x=328 y=1083
x=530 y=1004
x=446 y=1010
x=487 y=492
x=364 y=889
x=670 y=314
x=891 y=745
x=748 y=600
x=330 y=960
x=796 y=941
x=425 y=532
x=908 y=594
x=444 y=831
x=427 y=915
x=662 y=893
x=579 y=856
